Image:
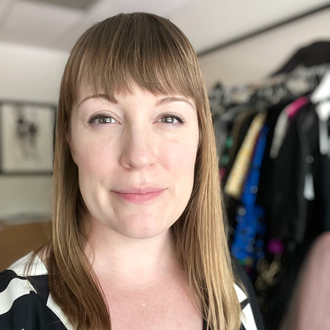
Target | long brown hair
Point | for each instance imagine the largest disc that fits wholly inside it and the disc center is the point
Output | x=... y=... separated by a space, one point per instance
x=154 y=53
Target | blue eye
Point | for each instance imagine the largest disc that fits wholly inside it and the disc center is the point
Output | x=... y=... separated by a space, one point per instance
x=171 y=119
x=102 y=119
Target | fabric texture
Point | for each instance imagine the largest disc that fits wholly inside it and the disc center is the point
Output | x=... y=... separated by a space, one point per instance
x=25 y=302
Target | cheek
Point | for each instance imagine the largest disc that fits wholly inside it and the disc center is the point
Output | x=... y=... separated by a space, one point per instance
x=181 y=157
x=89 y=151
x=93 y=169
x=93 y=162
x=180 y=172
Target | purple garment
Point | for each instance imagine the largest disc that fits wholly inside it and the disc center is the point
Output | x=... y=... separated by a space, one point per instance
x=295 y=106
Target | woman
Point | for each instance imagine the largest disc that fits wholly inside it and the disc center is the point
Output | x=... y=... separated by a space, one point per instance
x=138 y=239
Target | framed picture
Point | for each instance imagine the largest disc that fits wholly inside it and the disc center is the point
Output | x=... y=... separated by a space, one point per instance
x=26 y=138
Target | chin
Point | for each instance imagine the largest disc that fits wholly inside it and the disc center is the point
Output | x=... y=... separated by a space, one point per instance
x=138 y=230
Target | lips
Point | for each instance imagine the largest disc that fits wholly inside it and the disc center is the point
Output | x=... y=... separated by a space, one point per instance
x=139 y=195
x=140 y=191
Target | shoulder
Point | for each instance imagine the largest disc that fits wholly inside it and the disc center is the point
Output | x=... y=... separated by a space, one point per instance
x=250 y=315
x=25 y=302
x=14 y=283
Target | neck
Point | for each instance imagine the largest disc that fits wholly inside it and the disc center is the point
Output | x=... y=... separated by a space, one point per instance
x=129 y=262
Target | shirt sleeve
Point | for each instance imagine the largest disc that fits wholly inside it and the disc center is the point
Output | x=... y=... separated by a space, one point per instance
x=251 y=317
x=21 y=308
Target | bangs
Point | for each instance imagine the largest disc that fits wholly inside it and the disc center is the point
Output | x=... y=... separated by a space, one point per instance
x=140 y=48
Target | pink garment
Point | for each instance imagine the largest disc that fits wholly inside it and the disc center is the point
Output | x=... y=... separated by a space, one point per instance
x=309 y=308
x=295 y=106
x=283 y=123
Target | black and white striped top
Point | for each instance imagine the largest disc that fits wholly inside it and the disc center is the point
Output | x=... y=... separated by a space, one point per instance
x=25 y=303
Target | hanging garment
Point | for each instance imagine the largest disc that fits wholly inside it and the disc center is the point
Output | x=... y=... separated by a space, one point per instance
x=240 y=169
x=293 y=187
x=296 y=171
x=240 y=128
x=293 y=216
x=247 y=245
x=235 y=139
x=315 y=54
x=222 y=124
x=283 y=123
x=267 y=189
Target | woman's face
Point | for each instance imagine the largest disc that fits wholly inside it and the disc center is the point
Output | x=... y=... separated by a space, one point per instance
x=136 y=157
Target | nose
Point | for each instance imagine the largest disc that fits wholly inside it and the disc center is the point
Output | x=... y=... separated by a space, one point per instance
x=138 y=148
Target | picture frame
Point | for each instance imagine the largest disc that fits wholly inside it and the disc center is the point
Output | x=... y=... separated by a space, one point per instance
x=27 y=131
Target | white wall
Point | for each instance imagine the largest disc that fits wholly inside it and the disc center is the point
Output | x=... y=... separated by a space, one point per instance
x=210 y=22
x=254 y=59
x=28 y=74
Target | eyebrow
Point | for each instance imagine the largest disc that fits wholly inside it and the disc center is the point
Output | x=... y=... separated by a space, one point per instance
x=98 y=96
x=163 y=101
x=170 y=99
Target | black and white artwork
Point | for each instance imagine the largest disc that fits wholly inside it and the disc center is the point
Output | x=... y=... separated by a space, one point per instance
x=26 y=138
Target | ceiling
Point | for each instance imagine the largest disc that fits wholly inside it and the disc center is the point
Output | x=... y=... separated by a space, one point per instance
x=57 y=24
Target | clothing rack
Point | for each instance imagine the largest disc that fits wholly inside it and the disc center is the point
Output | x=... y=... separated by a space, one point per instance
x=261 y=31
x=282 y=204
x=271 y=90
